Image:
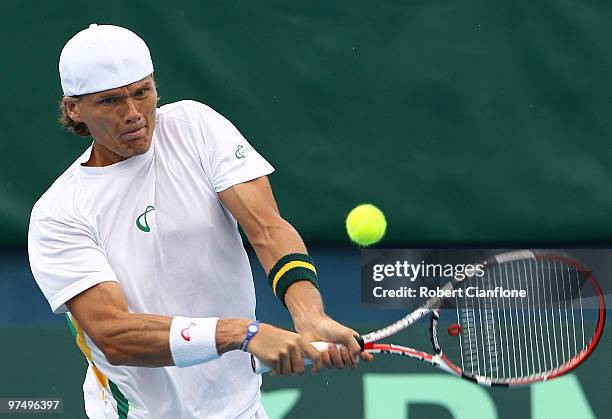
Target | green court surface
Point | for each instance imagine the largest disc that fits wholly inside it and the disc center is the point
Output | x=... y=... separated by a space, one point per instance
x=44 y=362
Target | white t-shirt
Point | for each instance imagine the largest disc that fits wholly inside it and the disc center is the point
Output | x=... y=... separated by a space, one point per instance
x=154 y=224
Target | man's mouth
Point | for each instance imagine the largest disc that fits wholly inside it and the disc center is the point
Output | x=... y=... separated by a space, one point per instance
x=135 y=133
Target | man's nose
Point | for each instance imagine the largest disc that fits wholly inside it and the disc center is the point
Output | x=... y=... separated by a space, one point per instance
x=132 y=114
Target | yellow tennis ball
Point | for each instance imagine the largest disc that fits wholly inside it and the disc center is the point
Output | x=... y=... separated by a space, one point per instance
x=366 y=224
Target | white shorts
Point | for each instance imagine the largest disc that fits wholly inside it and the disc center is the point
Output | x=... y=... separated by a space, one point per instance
x=98 y=408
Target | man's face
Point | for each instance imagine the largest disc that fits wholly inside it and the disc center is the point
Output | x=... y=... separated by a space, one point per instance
x=120 y=120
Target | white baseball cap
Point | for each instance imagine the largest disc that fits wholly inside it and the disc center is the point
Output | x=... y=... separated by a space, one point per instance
x=103 y=57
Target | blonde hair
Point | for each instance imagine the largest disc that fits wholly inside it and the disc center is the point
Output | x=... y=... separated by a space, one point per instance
x=77 y=128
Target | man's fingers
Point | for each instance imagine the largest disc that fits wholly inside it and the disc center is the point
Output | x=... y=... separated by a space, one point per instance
x=274 y=370
x=366 y=356
x=335 y=356
x=346 y=357
x=353 y=346
x=275 y=367
x=296 y=360
x=314 y=355
x=345 y=349
x=285 y=361
x=327 y=359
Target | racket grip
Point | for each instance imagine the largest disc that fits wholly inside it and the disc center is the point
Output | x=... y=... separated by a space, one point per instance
x=260 y=368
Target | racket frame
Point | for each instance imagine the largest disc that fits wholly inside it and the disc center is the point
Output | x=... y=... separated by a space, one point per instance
x=438 y=358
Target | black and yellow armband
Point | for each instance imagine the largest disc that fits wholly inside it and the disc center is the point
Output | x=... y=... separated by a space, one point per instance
x=289 y=269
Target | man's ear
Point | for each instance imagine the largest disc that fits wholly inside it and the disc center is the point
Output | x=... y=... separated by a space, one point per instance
x=71 y=105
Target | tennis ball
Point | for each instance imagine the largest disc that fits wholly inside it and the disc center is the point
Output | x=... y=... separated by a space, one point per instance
x=366 y=224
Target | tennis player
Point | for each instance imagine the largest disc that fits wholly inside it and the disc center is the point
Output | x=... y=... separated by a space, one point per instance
x=137 y=242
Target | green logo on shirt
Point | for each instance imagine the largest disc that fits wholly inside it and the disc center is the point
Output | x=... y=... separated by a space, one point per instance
x=241 y=151
x=141 y=221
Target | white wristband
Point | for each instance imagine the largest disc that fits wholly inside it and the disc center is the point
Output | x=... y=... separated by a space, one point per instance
x=192 y=340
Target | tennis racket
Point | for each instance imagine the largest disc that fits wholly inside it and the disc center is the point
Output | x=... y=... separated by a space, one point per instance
x=495 y=340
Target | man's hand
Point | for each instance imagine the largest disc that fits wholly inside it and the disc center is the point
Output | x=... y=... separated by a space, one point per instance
x=283 y=351
x=324 y=328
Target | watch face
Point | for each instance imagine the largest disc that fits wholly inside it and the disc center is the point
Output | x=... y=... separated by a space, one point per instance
x=253 y=328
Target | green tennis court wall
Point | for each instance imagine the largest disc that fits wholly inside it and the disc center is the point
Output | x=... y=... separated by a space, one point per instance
x=465 y=122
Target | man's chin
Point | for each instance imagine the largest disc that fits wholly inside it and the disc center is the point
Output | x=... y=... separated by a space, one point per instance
x=139 y=146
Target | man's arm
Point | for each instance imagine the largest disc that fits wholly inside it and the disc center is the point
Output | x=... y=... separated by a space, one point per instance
x=254 y=206
x=143 y=339
x=125 y=338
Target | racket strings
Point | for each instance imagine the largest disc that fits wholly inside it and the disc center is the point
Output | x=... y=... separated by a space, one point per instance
x=511 y=337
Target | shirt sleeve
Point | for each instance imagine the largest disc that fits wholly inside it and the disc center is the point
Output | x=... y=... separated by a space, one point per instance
x=65 y=260
x=230 y=157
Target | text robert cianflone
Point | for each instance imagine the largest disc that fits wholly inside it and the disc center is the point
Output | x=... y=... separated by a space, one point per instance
x=410 y=271
x=471 y=292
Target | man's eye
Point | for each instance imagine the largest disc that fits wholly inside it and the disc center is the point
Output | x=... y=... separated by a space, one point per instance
x=109 y=100
x=140 y=92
